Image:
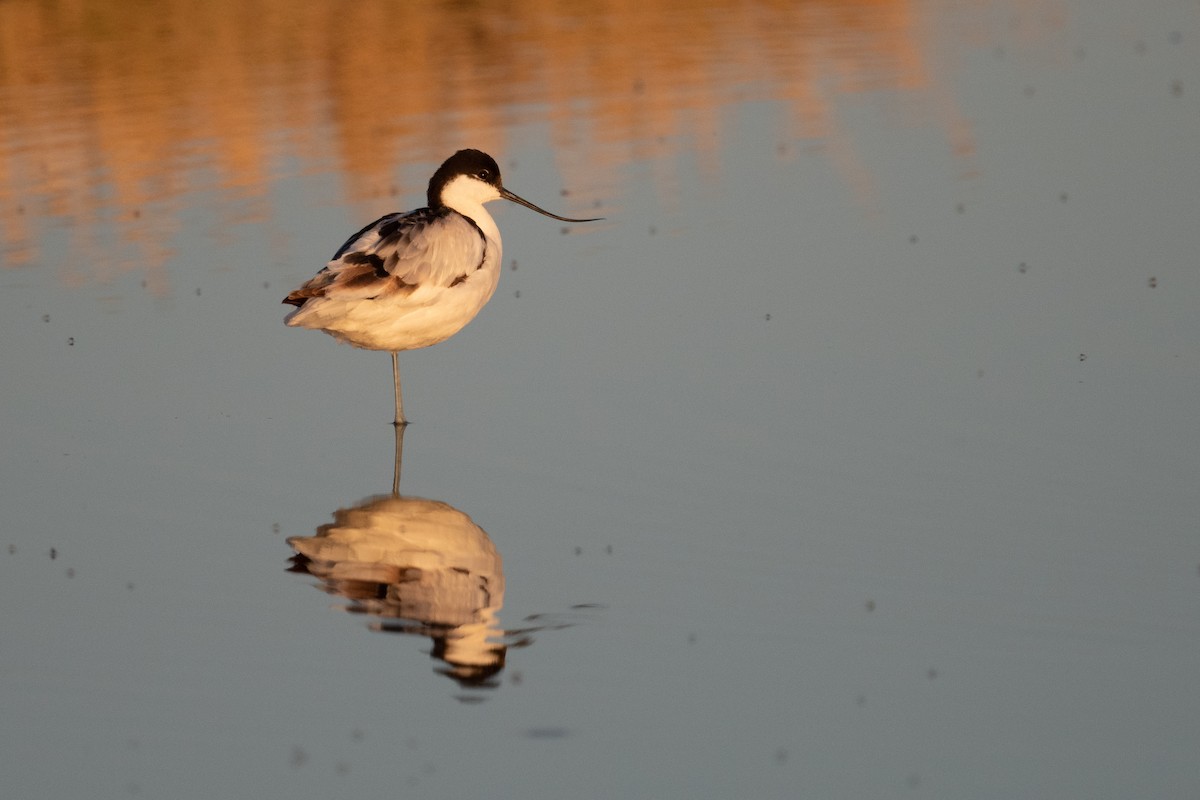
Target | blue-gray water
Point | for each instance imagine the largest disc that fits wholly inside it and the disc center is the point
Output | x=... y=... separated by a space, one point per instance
x=853 y=455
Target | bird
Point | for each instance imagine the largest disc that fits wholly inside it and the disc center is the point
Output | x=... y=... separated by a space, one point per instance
x=412 y=279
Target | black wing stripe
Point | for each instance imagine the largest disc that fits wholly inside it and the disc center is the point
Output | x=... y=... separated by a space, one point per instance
x=372 y=259
x=351 y=241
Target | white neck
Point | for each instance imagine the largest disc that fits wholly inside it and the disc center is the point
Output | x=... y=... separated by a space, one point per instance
x=467 y=196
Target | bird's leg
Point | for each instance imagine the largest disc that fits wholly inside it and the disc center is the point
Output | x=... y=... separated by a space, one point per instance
x=400 y=420
x=399 y=455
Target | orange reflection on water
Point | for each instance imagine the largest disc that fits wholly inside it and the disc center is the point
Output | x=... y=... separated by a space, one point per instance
x=117 y=117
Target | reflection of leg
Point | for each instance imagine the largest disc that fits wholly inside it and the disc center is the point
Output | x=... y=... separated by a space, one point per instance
x=400 y=420
x=399 y=453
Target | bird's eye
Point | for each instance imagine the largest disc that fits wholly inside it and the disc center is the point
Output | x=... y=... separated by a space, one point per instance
x=484 y=174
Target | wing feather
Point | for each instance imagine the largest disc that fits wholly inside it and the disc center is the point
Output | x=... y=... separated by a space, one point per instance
x=399 y=254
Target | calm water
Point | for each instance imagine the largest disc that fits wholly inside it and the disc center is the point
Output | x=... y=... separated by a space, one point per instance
x=855 y=455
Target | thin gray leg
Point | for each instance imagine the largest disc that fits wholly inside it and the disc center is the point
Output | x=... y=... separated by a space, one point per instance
x=399 y=454
x=400 y=420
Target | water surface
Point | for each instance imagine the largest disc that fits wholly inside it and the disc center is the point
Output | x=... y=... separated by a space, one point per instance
x=854 y=455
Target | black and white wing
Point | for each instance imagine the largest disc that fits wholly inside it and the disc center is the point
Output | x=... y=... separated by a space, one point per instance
x=399 y=254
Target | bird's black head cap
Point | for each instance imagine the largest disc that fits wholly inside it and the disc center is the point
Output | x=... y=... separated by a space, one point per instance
x=475 y=163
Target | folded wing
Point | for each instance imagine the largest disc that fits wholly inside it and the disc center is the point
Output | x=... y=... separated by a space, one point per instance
x=399 y=254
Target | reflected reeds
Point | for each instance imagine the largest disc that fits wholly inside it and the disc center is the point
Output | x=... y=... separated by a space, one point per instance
x=113 y=114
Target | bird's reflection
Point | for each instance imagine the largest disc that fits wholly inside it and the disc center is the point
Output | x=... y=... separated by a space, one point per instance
x=420 y=567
